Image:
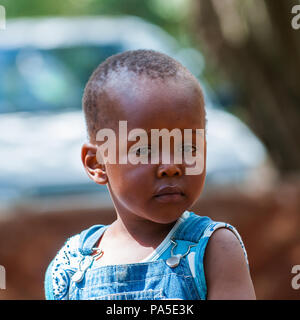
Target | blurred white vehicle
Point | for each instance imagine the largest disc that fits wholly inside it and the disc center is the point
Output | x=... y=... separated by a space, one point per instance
x=44 y=65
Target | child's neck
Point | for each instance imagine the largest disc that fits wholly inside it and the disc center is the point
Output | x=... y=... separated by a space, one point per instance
x=147 y=233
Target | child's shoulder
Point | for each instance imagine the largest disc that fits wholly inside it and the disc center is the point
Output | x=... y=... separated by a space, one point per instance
x=66 y=262
x=69 y=250
x=205 y=229
x=79 y=245
x=226 y=264
x=58 y=272
x=217 y=244
x=197 y=227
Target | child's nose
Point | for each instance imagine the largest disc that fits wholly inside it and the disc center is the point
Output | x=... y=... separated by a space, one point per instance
x=170 y=170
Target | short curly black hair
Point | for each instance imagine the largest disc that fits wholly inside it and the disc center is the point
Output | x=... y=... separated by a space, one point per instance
x=149 y=63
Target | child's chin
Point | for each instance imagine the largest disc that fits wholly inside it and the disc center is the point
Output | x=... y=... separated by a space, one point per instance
x=166 y=216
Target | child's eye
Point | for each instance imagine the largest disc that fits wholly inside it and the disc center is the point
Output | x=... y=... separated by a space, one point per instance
x=188 y=148
x=142 y=150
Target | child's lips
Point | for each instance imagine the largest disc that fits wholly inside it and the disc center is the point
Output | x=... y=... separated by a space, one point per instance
x=175 y=197
x=169 y=194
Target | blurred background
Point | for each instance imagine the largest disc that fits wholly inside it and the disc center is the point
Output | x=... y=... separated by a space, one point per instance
x=246 y=56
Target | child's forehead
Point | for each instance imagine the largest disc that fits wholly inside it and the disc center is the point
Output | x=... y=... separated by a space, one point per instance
x=157 y=104
x=129 y=94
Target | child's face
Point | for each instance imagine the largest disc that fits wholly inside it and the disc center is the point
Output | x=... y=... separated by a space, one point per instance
x=153 y=104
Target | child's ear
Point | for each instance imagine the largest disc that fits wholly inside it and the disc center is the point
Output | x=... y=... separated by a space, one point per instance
x=95 y=170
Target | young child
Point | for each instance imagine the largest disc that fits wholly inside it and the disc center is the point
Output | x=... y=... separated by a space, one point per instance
x=156 y=248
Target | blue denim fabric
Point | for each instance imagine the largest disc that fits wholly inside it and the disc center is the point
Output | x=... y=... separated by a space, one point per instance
x=142 y=281
x=151 y=280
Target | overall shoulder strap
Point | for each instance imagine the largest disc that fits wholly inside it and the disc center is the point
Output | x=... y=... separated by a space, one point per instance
x=89 y=237
x=192 y=228
x=198 y=229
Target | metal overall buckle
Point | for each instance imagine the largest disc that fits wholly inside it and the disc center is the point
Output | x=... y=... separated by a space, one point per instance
x=174 y=260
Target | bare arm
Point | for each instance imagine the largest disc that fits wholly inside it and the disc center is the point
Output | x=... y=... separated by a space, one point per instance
x=226 y=270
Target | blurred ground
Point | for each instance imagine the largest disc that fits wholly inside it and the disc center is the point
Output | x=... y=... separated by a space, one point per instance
x=269 y=223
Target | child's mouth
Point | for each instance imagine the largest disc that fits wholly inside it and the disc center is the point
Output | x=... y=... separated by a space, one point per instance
x=170 y=197
x=169 y=194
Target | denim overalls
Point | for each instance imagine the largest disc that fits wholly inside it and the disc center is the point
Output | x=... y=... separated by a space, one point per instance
x=175 y=270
